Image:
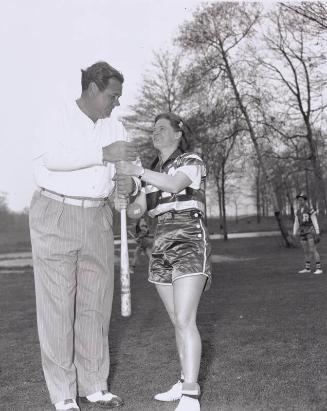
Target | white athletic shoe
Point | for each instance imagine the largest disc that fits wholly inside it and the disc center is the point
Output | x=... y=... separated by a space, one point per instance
x=318 y=271
x=174 y=394
x=188 y=404
x=304 y=271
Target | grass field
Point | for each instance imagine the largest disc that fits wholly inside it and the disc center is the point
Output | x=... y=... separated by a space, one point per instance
x=19 y=240
x=263 y=327
x=249 y=224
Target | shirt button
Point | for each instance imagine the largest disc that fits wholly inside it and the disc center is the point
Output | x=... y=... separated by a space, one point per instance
x=196 y=215
x=93 y=187
x=95 y=170
x=198 y=226
x=199 y=235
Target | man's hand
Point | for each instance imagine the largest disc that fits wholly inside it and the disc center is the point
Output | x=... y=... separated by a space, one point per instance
x=120 y=150
x=126 y=168
x=125 y=184
x=121 y=202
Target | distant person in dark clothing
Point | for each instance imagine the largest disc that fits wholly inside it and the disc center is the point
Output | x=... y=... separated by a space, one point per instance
x=144 y=243
x=306 y=224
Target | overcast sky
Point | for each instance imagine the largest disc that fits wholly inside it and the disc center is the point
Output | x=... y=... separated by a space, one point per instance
x=45 y=43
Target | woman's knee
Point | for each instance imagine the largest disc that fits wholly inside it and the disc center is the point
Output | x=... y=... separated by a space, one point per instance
x=184 y=321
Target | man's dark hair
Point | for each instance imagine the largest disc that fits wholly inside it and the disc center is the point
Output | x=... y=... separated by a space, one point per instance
x=100 y=73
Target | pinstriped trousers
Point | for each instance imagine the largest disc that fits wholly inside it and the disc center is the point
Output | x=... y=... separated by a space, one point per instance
x=73 y=259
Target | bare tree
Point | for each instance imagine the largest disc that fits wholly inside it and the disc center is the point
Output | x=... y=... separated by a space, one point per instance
x=294 y=66
x=161 y=91
x=214 y=37
x=221 y=169
x=315 y=12
x=216 y=126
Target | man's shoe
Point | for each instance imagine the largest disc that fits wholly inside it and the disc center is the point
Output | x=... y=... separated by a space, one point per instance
x=103 y=399
x=318 y=271
x=188 y=403
x=304 y=271
x=67 y=405
x=174 y=394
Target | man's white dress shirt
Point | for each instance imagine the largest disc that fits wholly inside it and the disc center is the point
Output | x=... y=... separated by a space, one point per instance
x=68 y=155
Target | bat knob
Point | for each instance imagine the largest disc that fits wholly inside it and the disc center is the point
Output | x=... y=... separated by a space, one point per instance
x=134 y=210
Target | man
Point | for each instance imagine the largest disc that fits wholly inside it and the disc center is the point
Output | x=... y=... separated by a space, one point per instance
x=306 y=224
x=72 y=238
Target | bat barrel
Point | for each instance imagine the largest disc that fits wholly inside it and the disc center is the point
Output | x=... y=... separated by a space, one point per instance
x=126 y=308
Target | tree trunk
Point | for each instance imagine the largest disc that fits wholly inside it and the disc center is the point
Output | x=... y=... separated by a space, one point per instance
x=286 y=237
x=315 y=161
x=219 y=203
x=236 y=212
x=307 y=186
x=223 y=201
x=263 y=204
x=257 y=187
x=290 y=202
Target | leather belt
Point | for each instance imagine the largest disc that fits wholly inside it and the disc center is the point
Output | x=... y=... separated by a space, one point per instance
x=80 y=201
x=179 y=215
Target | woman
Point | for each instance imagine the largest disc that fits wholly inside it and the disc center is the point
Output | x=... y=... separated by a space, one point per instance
x=179 y=266
x=306 y=223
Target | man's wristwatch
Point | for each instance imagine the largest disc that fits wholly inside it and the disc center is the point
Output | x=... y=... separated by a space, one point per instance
x=141 y=173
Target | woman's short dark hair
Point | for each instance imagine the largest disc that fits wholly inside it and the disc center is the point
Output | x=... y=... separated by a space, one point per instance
x=178 y=124
x=100 y=73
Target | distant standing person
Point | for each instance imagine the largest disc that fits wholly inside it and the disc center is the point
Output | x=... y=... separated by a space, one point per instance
x=180 y=266
x=306 y=224
x=143 y=242
x=72 y=238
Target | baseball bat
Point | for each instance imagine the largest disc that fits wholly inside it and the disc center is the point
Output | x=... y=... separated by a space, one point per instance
x=125 y=287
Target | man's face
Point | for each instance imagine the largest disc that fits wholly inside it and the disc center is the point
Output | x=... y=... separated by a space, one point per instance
x=164 y=135
x=300 y=202
x=105 y=101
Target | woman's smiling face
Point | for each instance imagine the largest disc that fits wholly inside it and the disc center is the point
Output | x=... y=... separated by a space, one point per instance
x=164 y=136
